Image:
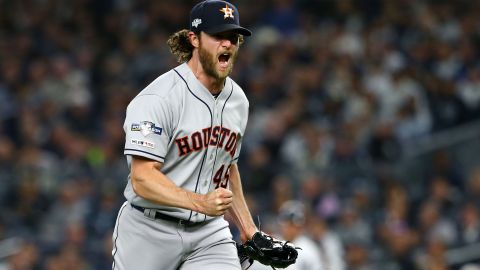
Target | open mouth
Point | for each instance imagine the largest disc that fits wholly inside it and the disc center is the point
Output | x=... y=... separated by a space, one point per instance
x=223 y=59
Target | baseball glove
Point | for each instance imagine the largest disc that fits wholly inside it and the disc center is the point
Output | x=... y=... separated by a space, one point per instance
x=268 y=251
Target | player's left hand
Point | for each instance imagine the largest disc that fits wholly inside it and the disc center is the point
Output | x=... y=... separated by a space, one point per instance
x=268 y=251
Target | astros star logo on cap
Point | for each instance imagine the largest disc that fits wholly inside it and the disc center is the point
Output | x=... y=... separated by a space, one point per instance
x=228 y=12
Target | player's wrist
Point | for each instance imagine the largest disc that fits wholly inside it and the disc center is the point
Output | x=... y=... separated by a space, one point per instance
x=193 y=199
x=247 y=235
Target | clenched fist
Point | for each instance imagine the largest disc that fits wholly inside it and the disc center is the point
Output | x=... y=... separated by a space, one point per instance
x=216 y=202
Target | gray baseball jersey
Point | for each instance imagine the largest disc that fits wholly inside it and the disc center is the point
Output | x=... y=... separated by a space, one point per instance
x=176 y=121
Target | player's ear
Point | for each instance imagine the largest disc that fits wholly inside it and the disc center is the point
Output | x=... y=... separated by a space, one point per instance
x=194 y=39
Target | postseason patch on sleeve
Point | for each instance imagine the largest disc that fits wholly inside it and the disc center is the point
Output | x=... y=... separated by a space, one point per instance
x=146 y=128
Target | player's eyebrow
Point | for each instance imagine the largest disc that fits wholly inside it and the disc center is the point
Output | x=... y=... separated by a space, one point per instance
x=231 y=36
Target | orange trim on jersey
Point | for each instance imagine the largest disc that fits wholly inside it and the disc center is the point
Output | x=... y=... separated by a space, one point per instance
x=215 y=135
x=197 y=144
x=224 y=133
x=182 y=143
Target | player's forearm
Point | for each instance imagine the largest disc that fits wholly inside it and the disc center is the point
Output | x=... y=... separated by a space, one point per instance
x=239 y=210
x=160 y=190
x=151 y=184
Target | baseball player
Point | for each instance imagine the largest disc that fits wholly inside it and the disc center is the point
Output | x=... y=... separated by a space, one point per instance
x=183 y=138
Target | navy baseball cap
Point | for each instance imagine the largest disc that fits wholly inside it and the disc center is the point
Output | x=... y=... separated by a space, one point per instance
x=215 y=16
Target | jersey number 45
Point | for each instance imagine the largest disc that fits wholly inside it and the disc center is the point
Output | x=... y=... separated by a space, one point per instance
x=221 y=180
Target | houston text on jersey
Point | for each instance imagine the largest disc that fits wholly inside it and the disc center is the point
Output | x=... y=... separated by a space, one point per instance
x=216 y=136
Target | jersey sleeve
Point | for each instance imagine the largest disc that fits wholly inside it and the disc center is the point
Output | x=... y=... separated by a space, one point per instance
x=147 y=127
x=240 y=138
x=237 y=150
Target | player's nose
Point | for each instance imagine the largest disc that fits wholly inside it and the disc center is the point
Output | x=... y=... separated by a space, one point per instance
x=225 y=42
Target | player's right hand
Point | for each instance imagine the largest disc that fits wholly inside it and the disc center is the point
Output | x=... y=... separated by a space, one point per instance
x=216 y=202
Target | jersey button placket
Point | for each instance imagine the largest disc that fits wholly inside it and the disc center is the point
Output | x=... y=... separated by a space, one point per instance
x=213 y=149
x=211 y=155
x=215 y=123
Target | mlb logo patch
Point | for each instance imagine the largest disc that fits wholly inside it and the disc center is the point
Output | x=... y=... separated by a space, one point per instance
x=143 y=143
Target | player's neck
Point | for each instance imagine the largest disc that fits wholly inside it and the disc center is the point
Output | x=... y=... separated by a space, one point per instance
x=213 y=84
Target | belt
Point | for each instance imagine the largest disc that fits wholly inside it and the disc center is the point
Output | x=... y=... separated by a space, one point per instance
x=157 y=215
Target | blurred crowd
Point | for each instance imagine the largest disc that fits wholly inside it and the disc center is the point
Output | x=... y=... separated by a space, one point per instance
x=337 y=90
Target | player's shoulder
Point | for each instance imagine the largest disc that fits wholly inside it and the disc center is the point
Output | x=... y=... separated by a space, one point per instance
x=163 y=86
x=238 y=92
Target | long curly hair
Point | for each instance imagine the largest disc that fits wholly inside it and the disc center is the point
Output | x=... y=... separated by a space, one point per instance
x=180 y=46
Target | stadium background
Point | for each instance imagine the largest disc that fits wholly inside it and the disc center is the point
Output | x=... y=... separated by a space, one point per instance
x=367 y=111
